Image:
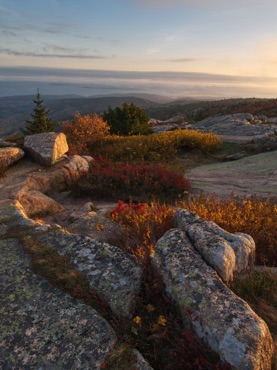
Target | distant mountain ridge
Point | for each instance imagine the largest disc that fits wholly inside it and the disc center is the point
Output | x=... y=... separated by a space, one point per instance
x=160 y=99
x=14 y=110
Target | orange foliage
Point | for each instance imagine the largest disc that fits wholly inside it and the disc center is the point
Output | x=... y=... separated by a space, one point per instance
x=143 y=225
x=83 y=132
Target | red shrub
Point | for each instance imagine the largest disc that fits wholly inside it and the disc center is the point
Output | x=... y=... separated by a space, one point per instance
x=138 y=181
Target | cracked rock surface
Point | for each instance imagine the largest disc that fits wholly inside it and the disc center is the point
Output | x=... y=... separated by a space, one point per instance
x=42 y=327
x=209 y=308
x=111 y=273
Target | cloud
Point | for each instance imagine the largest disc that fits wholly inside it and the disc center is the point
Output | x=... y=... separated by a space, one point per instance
x=50 y=55
x=197 y=3
x=62 y=49
x=8 y=33
x=172 y=3
x=14 y=20
x=175 y=84
x=188 y=77
x=52 y=28
x=57 y=29
x=183 y=60
x=96 y=38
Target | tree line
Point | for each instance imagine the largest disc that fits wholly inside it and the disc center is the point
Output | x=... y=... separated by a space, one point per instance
x=128 y=119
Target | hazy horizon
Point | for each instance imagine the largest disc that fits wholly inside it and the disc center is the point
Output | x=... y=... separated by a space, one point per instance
x=57 y=81
x=177 y=48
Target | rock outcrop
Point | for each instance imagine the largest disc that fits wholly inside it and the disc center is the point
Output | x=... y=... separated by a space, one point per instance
x=239 y=127
x=111 y=273
x=9 y=156
x=76 y=166
x=42 y=327
x=174 y=123
x=192 y=260
x=209 y=308
x=256 y=174
x=36 y=203
x=30 y=190
x=46 y=148
x=229 y=254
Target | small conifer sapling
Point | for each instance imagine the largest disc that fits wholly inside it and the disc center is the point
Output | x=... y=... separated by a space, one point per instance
x=40 y=121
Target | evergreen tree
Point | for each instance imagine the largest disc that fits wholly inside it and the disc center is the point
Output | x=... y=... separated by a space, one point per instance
x=127 y=120
x=40 y=121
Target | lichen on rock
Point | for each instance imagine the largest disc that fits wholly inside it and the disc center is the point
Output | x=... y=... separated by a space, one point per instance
x=111 y=273
x=216 y=315
x=42 y=327
x=229 y=254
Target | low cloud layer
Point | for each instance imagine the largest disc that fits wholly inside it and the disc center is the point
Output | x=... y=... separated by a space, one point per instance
x=183 y=60
x=50 y=55
x=93 y=82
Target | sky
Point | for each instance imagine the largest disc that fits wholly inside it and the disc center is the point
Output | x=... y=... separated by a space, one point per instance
x=177 y=47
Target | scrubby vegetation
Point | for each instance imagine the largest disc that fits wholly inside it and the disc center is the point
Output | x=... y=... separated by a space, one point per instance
x=196 y=111
x=114 y=181
x=261 y=284
x=124 y=166
x=133 y=167
x=109 y=176
x=155 y=147
x=142 y=224
x=156 y=328
x=127 y=120
x=89 y=134
x=83 y=132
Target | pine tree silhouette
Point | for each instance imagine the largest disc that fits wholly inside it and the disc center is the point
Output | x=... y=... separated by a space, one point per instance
x=40 y=121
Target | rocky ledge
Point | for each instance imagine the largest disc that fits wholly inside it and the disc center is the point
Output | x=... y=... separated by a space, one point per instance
x=44 y=328
x=260 y=131
x=209 y=308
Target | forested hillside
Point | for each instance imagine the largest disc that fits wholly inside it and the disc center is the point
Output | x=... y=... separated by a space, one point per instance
x=16 y=109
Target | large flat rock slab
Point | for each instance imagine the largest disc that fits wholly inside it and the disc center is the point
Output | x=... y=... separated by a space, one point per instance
x=41 y=327
x=214 y=313
x=111 y=273
x=256 y=174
